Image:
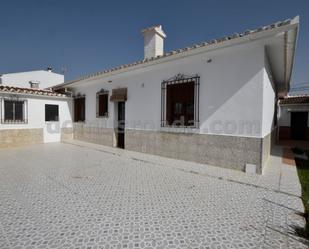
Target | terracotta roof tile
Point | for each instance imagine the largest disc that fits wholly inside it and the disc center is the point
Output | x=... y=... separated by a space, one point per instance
x=194 y=46
x=20 y=90
x=290 y=100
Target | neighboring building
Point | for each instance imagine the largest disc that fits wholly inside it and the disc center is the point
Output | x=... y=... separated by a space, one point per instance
x=293 y=118
x=29 y=114
x=40 y=79
x=33 y=116
x=214 y=103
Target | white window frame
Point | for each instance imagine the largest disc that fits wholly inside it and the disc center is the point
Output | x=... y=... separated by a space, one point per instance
x=25 y=110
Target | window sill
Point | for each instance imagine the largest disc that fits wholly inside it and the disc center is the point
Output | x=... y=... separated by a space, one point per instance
x=14 y=122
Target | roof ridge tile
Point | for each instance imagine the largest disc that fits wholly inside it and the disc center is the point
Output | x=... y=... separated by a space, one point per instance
x=194 y=46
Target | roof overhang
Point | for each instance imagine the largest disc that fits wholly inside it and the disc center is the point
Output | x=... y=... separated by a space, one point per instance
x=279 y=39
x=28 y=95
x=281 y=52
x=29 y=92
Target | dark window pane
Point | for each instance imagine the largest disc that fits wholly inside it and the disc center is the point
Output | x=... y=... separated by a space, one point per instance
x=19 y=110
x=178 y=108
x=13 y=110
x=103 y=105
x=51 y=113
x=180 y=104
x=8 y=110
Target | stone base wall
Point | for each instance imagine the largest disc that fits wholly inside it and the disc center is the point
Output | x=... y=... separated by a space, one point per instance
x=266 y=147
x=219 y=150
x=66 y=134
x=20 y=137
x=97 y=135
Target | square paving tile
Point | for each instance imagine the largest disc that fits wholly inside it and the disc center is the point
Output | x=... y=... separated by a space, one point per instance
x=68 y=196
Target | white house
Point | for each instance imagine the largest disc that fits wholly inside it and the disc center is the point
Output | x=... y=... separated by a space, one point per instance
x=214 y=102
x=30 y=114
x=39 y=79
x=33 y=116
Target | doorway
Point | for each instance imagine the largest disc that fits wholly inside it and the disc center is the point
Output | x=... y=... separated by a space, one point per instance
x=52 y=130
x=121 y=125
x=299 y=122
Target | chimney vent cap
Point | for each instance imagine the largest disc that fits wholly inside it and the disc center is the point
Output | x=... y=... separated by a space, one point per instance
x=156 y=28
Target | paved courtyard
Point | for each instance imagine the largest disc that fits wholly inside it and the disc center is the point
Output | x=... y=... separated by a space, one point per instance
x=88 y=196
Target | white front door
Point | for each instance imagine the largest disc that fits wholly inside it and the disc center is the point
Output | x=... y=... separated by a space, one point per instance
x=52 y=132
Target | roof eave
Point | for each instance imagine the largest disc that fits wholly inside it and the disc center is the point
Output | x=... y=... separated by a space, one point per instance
x=210 y=47
x=291 y=37
x=34 y=95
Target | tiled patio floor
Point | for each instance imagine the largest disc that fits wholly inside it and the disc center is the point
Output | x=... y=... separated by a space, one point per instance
x=88 y=196
x=288 y=157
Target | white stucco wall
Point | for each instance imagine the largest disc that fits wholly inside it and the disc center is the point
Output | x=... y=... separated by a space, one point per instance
x=36 y=116
x=231 y=92
x=285 y=113
x=22 y=79
x=284 y=117
x=269 y=99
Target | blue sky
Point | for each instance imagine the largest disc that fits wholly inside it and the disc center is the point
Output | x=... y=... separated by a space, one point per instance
x=88 y=36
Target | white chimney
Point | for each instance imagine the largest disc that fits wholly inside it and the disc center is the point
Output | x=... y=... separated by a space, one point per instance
x=153 y=41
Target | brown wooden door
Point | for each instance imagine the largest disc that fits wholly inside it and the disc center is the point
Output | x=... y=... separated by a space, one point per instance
x=79 y=109
x=121 y=125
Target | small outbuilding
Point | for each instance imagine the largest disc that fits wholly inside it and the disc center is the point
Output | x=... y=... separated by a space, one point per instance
x=31 y=116
x=293 y=118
